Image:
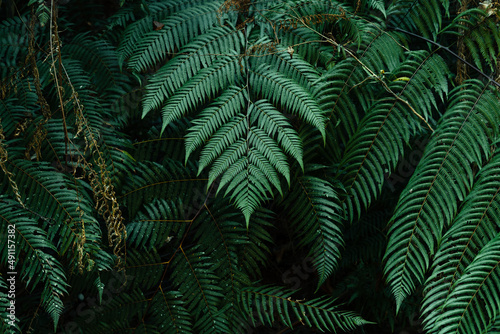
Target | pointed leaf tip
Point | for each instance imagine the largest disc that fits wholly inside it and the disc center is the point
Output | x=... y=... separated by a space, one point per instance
x=247 y=219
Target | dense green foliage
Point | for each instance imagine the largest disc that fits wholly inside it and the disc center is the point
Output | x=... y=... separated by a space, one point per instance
x=184 y=166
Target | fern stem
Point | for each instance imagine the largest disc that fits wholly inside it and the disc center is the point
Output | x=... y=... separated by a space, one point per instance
x=58 y=75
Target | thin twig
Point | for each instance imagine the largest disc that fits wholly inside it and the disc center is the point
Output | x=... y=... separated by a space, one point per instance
x=450 y=52
x=57 y=75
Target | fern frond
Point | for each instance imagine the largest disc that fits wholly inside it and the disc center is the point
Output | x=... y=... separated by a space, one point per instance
x=42 y=10
x=364 y=157
x=254 y=254
x=177 y=31
x=120 y=313
x=12 y=116
x=200 y=53
x=249 y=165
x=113 y=150
x=180 y=126
x=277 y=126
x=47 y=268
x=20 y=93
x=196 y=280
x=100 y=60
x=315 y=210
x=270 y=302
x=206 y=83
x=294 y=67
x=14 y=41
x=375 y=4
x=379 y=143
x=122 y=17
x=61 y=214
x=304 y=41
x=249 y=173
x=289 y=95
x=442 y=179
x=156 y=224
x=37 y=266
x=169 y=308
x=462 y=242
x=54 y=146
x=156 y=181
x=424 y=17
x=245 y=146
x=480 y=36
x=345 y=92
x=473 y=303
x=493 y=327
x=12 y=50
x=424 y=71
x=229 y=104
x=157 y=11
x=226 y=245
x=145 y=269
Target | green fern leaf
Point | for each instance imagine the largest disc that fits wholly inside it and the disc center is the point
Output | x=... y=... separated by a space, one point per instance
x=376 y=148
x=461 y=243
x=156 y=181
x=200 y=53
x=14 y=40
x=229 y=104
x=206 y=83
x=271 y=302
x=42 y=10
x=62 y=214
x=293 y=97
x=12 y=114
x=420 y=16
x=442 y=179
x=156 y=224
x=226 y=245
x=118 y=313
x=197 y=281
x=145 y=269
x=473 y=303
x=169 y=306
x=177 y=30
x=276 y=125
x=37 y=266
x=315 y=210
x=335 y=100
x=480 y=36
x=245 y=147
x=294 y=67
x=255 y=253
x=136 y=30
x=249 y=184
x=304 y=42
